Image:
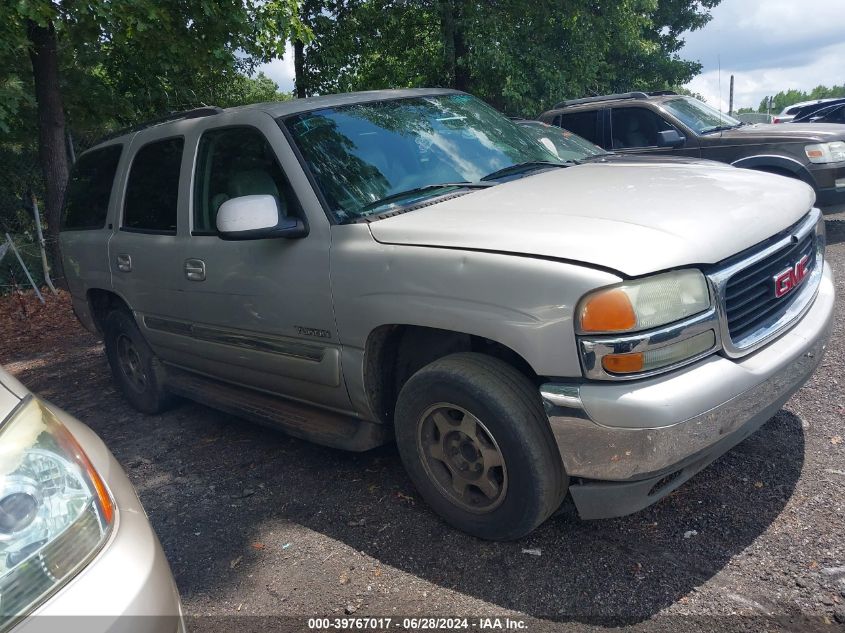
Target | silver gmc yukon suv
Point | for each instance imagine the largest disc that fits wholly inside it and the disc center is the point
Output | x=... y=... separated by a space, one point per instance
x=411 y=265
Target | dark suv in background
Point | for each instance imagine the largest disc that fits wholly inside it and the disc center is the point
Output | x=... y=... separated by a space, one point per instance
x=674 y=125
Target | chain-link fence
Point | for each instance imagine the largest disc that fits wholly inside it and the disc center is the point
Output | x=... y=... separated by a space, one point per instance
x=21 y=191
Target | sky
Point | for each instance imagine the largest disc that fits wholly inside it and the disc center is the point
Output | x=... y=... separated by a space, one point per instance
x=768 y=45
x=281 y=70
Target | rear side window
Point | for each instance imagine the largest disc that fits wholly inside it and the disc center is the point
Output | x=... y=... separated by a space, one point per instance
x=584 y=124
x=89 y=189
x=152 y=192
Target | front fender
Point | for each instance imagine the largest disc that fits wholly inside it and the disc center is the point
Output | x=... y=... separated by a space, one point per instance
x=523 y=303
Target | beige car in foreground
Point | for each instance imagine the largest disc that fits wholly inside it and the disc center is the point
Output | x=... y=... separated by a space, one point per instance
x=77 y=552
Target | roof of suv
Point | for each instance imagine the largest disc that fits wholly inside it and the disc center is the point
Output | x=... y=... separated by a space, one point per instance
x=286 y=108
x=660 y=96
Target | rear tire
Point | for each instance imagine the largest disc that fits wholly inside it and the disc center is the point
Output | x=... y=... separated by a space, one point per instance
x=476 y=443
x=135 y=369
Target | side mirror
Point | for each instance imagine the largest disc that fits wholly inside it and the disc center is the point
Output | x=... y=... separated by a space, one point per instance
x=256 y=218
x=670 y=138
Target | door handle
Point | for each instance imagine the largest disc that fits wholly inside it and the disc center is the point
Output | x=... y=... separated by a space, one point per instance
x=195 y=270
x=124 y=263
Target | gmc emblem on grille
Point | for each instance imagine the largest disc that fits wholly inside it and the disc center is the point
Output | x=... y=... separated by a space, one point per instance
x=791 y=278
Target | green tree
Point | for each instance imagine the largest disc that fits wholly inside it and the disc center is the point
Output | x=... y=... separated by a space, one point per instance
x=120 y=61
x=786 y=98
x=520 y=56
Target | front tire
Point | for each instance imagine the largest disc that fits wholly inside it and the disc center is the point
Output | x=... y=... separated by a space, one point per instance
x=135 y=369
x=477 y=445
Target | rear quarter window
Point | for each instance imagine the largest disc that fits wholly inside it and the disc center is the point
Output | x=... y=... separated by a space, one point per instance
x=152 y=192
x=89 y=189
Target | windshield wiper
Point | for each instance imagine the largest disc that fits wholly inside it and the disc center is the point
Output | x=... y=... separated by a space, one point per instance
x=417 y=190
x=518 y=167
x=719 y=128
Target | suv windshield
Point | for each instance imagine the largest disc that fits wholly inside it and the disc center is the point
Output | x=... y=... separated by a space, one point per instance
x=699 y=116
x=366 y=153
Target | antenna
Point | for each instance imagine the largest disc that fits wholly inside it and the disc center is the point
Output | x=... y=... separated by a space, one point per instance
x=719 y=64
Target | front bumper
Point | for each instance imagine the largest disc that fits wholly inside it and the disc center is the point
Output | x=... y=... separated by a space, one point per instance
x=636 y=442
x=128 y=586
x=830 y=183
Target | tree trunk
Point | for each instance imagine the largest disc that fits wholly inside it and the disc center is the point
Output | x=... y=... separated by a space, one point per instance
x=52 y=155
x=452 y=14
x=299 y=68
x=462 y=78
x=447 y=27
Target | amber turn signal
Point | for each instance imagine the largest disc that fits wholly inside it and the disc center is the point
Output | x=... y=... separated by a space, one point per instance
x=608 y=311
x=623 y=363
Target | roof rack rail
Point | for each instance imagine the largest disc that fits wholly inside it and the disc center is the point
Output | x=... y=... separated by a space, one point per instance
x=194 y=113
x=662 y=93
x=622 y=95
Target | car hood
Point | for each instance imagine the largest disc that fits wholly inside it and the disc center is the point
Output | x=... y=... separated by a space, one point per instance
x=785 y=132
x=633 y=217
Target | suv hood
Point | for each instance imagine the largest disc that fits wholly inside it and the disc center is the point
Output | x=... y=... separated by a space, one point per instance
x=629 y=216
x=785 y=132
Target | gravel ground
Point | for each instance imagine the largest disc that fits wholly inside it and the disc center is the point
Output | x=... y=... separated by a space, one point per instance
x=259 y=524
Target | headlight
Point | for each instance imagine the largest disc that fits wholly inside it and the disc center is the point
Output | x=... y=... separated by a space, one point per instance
x=55 y=511
x=644 y=303
x=833 y=152
x=646 y=326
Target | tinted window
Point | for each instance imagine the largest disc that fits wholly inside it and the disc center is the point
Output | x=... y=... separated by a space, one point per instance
x=835 y=115
x=235 y=162
x=89 y=189
x=583 y=124
x=636 y=127
x=367 y=153
x=153 y=188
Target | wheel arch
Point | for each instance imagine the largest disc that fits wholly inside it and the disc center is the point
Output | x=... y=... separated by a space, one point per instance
x=777 y=164
x=102 y=301
x=394 y=352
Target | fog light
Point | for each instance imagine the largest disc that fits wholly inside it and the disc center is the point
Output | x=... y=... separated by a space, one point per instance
x=660 y=357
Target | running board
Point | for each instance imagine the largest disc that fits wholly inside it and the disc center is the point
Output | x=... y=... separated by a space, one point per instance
x=294 y=418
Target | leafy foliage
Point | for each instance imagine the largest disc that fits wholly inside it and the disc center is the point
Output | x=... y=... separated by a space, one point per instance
x=786 y=98
x=520 y=56
x=123 y=61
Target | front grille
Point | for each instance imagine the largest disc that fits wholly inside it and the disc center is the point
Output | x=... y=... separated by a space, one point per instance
x=749 y=294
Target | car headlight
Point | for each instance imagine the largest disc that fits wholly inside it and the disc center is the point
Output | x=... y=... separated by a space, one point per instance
x=644 y=303
x=832 y=152
x=55 y=511
x=646 y=326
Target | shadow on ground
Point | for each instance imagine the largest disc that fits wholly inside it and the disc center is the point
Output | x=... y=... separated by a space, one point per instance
x=835 y=231
x=207 y=480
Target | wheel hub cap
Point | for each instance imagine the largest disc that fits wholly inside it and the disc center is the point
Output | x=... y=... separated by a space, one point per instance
x=461 y=456
x=130 y=363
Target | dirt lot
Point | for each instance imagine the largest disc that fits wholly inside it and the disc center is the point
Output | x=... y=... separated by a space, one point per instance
x=258 y=524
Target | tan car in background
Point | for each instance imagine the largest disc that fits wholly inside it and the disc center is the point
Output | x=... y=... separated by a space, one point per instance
x=74 y=538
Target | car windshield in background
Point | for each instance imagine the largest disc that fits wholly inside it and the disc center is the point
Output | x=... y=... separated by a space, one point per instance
x=370 y=152
x=562 y=143
x=699 y=116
